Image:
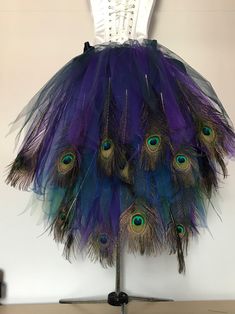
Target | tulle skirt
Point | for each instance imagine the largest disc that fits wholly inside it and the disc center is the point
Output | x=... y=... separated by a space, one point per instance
x=125 y=142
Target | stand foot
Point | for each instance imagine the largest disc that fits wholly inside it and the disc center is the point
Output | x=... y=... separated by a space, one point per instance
x=123 y=309
x=81 y=301
x=146 y=299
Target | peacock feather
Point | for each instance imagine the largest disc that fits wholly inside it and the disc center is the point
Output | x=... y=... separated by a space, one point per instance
x=142 y=229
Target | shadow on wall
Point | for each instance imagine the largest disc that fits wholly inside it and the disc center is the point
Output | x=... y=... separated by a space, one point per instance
x=3 y=290
x=154 y=20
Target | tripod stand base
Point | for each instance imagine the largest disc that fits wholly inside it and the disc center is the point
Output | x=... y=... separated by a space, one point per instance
x=115 y=299
x=123 y=299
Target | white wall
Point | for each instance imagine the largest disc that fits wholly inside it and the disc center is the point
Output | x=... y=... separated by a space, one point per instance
x=37 y=38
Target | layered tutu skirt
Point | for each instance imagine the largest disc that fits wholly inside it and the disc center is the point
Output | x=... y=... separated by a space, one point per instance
x=125 y=142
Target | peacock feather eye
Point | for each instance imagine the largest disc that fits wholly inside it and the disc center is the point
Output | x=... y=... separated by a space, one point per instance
x=153 y=142
x=67 y=159
x=180 y=229
x=181 y=159
x=208 y=133
x=103 y=239
x=181 y=162
x=66 y=162
x=106 y=144
x=138 y=220
x=138 y=223
x=107 y=148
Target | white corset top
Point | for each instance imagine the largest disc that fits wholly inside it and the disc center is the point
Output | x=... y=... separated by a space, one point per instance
x=120 y=20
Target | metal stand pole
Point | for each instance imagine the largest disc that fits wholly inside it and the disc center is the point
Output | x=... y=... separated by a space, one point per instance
x=117 y=298
x=118 y=266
